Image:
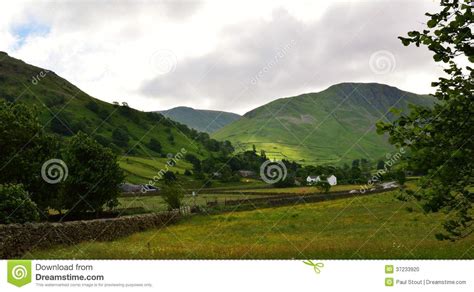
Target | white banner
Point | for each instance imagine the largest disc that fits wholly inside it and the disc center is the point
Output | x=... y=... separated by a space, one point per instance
x=237 y=275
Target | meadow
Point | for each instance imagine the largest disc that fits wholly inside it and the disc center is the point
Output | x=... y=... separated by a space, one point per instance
x=370 y=227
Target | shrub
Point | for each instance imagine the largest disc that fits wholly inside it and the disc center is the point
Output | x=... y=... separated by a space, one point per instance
x=16 y=206
x=172 y=196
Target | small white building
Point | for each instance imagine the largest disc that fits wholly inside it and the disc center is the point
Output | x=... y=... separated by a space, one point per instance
x=332 y=180
x=312 y=179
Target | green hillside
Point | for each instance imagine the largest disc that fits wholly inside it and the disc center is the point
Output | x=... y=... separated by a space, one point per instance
x=64 y=109
x=201 y=120
x=332 y=126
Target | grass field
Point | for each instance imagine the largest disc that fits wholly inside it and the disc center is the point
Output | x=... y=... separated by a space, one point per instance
x=157 y=204
x=369 y=227
x=142 y=170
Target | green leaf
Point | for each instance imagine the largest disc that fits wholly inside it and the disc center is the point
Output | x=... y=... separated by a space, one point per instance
x=432 y=23
x=405 y=41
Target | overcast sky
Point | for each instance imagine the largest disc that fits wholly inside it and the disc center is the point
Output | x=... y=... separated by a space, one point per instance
x=224 y=55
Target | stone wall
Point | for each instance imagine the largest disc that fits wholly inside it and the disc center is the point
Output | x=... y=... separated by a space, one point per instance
x=18 y=239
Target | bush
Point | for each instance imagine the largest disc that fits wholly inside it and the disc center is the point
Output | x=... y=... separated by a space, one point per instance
x=16 y=206
x=172 y=196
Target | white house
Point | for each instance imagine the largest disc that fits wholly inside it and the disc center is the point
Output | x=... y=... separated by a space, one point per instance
x=332 y=180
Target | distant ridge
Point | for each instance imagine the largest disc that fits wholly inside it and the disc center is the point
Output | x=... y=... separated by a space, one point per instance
x=202 y=120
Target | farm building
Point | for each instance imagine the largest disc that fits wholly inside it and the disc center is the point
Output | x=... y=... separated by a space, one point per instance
x=332 y=180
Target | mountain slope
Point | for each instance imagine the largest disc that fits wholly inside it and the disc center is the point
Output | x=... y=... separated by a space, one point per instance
x=201 y=120
x=332 y=126
x=64 y=109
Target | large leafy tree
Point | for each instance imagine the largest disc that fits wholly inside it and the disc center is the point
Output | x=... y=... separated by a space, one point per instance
x=441 y=137
x=94 y=175
x=24 y=148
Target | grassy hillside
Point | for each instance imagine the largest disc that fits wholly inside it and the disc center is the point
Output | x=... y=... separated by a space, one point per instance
x=64 y=109
x=201 y=120
x=369 y=227
x=337 y=124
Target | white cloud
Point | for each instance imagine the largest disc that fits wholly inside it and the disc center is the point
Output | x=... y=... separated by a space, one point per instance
x=107 y=48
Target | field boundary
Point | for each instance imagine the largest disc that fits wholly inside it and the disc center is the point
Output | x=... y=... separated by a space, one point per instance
x=16 y=240
x=286 y=199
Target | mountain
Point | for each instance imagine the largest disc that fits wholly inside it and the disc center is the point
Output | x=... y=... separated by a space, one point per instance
x=202 y=120
x=332 y=126
x=64 y=109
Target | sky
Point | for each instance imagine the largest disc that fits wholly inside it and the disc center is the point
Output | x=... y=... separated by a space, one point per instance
x=222 y=55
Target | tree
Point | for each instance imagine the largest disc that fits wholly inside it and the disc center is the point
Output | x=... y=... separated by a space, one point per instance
x=440 y=138
x=25 y=147
x=169 y=177
x=16 y=206
x=120 y=137
x=323 y=185
x=380 y=164
x=172 y=196
x=94 y=175
x=194 y=161
x=155 y=145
